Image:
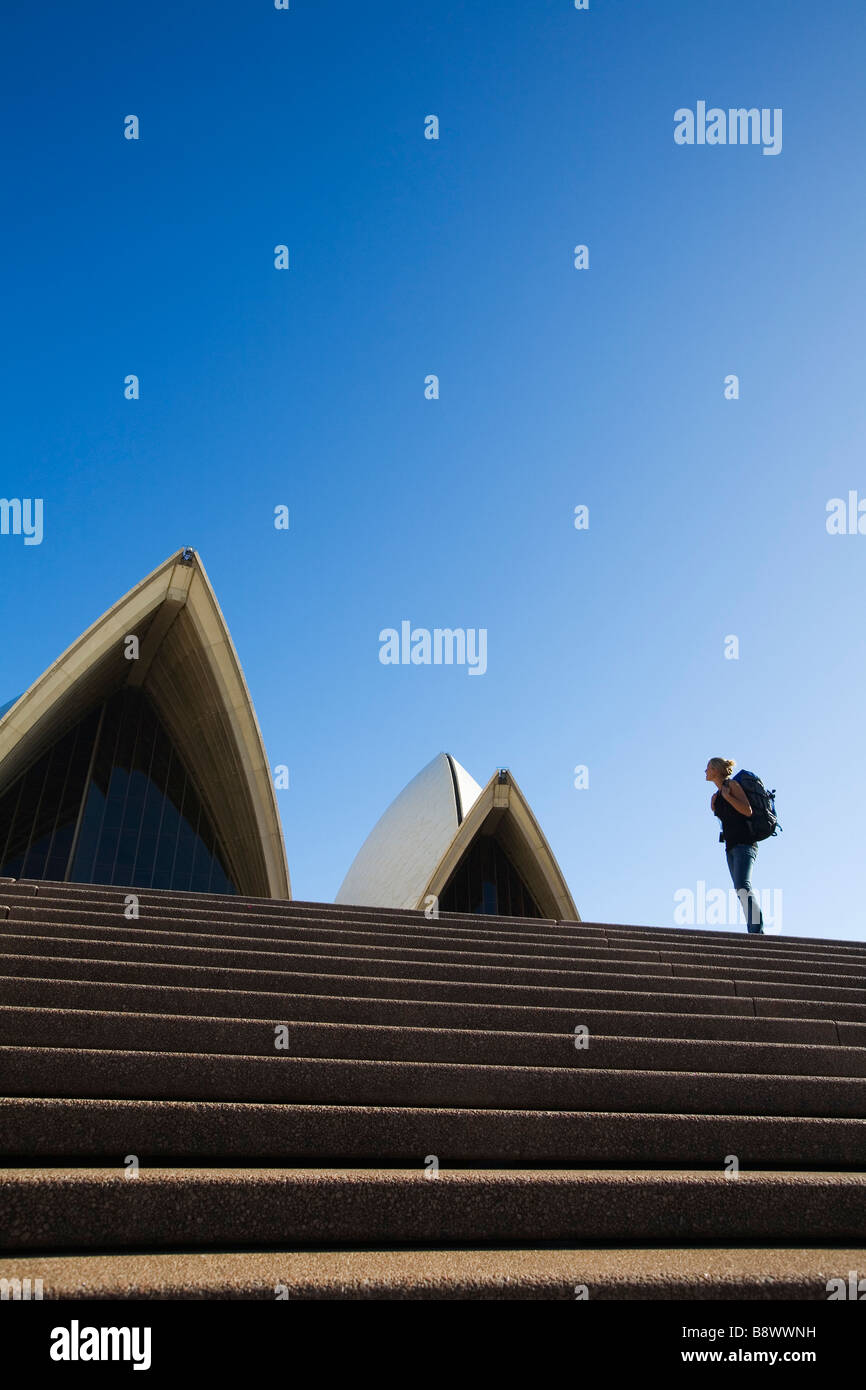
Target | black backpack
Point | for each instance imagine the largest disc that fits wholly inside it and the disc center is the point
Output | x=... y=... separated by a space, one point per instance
x=763 y=820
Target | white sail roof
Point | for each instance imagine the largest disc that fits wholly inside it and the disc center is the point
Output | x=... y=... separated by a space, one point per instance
x=405 y=846
x=414 y=849
x=189 y=669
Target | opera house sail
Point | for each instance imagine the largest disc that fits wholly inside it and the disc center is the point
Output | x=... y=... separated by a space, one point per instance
x=447 y=841
x=136 y=758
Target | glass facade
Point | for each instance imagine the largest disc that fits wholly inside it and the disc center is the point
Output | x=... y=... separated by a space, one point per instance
x=39 y=812
x=486 y=881
x=111 y=802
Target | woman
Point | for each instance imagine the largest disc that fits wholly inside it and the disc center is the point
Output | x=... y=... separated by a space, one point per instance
x=731 y=805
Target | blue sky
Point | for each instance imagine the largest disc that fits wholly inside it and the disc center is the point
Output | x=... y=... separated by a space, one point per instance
x=558 y=387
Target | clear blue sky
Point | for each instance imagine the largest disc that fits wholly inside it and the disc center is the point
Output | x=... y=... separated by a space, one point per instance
x=558 y=387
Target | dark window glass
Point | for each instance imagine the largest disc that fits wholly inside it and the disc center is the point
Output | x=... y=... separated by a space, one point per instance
x=39 y=812
x=139 y=819
x=88 y=837
x=486 y=882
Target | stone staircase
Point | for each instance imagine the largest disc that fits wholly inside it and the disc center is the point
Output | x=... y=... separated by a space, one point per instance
x=333 y=1102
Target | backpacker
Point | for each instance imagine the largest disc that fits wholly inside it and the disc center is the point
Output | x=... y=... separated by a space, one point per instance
x=763 y=819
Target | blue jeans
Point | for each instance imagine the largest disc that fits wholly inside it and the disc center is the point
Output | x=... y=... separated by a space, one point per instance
x=740 y=861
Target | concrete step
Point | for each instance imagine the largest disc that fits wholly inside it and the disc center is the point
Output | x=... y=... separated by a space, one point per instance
x=657 y=993
x=162 y=948
x=262 y=969
x=738 y=949
x=434 y=946
x=272 y=910
x=773 y=1020
x=251 y=953
x=180 y=916
x=111 y=1073
x=521 y=1272
x=87 y=1208
x=407 y=1039
x=253 y=908
x=133 y=964
x=735 y=939
x=77 y=1128
x=83 y=1028
x=740 y=1024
